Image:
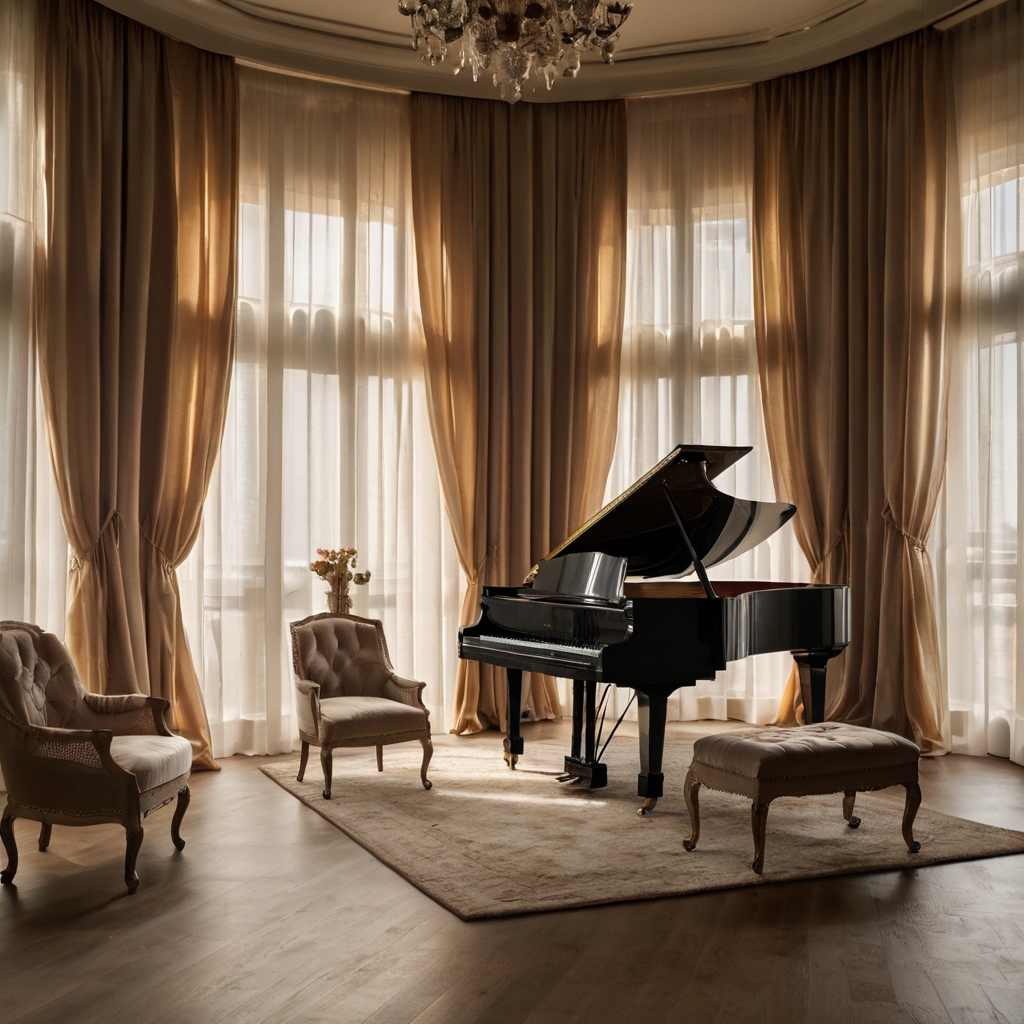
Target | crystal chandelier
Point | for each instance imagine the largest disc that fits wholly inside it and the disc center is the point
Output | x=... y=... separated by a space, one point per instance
x=514 y=39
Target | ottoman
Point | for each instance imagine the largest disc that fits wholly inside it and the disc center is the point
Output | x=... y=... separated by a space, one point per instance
x=828 y=757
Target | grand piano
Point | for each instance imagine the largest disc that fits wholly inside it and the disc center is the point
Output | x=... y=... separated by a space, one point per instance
x=609 y=605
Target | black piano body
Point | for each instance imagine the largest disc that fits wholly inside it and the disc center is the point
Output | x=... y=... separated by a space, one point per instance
x=655 y=636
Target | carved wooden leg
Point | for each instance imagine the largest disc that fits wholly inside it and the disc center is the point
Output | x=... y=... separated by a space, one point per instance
x=909 y=813
x=179 y=812
x=691 y=788
x=44 y=836
x=131 y=855
x=428 y=753
x=7 y=835
x=758 y=821
x=327 y=763
x=848 y=799
x=380 y=757
x=303 y=758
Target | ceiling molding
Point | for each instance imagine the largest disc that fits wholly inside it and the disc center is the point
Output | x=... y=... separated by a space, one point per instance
x=344 y=51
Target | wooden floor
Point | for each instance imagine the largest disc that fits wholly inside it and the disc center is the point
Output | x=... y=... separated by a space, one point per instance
x=271 y=914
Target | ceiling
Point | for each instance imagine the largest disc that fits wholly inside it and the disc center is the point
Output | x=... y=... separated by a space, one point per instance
x=665 y=46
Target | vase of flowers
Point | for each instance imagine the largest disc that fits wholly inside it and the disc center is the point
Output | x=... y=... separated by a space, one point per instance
x=335 y=567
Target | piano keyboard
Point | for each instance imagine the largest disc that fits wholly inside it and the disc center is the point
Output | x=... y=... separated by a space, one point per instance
x=575 y=654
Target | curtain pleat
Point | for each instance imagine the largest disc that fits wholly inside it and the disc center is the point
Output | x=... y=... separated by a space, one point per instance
x=520 y=242
x=137 y=281
x=852 y=268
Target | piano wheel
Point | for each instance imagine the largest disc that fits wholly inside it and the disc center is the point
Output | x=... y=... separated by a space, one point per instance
x=511 y=760
x=648 y=805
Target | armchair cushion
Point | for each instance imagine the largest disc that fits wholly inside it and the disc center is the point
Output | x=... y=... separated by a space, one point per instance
x=153 y=760
x=349 y=718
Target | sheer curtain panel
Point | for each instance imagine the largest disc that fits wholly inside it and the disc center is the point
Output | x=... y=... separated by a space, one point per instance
x=689 y=365
x=33 y=546
x=327 y=442
x=977 y=549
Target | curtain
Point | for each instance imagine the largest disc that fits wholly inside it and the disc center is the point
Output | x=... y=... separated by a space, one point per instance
x=33 y=546
x=137 y=285
x=851 y=277
x=689 y=361
x=327 y=441
x=980 y=570
x=520 y=241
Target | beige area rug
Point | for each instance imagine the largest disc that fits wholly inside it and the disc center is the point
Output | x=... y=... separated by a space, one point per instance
x=489 y=842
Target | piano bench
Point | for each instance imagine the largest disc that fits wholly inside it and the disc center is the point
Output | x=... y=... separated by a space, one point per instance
x=828 y=757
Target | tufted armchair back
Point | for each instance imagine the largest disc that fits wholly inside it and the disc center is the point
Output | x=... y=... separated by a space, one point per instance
x=345 y=654
x=38 y=681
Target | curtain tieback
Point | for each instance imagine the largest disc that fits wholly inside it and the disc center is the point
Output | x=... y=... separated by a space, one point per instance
x=820 y=564
x=113 y=523
x=166 y=565
x=473 y=578
x=914 y=542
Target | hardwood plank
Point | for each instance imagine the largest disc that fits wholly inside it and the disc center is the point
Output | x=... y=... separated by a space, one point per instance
x=272 y=914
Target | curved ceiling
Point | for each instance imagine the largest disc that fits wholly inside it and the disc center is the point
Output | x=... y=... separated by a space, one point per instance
x=665 y=46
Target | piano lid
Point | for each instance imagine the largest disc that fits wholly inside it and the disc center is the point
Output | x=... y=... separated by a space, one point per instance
x=639 y=526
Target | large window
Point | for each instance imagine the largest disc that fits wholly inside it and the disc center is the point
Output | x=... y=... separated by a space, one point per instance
x=976 y=547
x=689 y=368
x=327 y=441
x=33 y=546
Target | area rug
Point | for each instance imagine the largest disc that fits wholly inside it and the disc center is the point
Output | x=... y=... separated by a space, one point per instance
x=490 y=842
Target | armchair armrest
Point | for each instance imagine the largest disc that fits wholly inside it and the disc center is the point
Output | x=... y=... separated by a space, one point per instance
x=90 y=747
x=67 y=771
x=307 y=706
x=131 y=714
x=405 y=691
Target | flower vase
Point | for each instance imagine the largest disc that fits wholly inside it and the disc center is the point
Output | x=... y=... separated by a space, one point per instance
x=338 y=601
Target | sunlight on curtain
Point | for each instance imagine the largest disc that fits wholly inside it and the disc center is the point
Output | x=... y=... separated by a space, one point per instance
x=327 y=442
x=689 y=369
x=976 y=552
x=33 y=546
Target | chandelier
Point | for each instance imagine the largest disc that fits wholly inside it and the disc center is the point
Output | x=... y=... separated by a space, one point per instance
x=516 y=39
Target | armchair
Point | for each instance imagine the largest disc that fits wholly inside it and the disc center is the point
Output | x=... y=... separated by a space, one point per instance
x=75 y=758
x=348 y=694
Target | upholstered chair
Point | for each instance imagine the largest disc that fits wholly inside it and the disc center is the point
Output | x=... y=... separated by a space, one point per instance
x=75 y=758
x=348 y=695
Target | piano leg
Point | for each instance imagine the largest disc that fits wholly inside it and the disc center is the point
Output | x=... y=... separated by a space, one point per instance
x=652 y=710
x=513 y=741
x=812 y=666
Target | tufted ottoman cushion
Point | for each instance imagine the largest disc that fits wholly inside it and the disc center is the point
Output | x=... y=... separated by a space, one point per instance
x=828 y=757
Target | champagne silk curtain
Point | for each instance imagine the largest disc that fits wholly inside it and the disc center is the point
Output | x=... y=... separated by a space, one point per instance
x=136 y=297
x=520 y=227
x=850 y=270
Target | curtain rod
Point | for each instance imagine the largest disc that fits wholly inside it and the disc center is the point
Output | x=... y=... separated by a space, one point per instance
x=313 y=76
